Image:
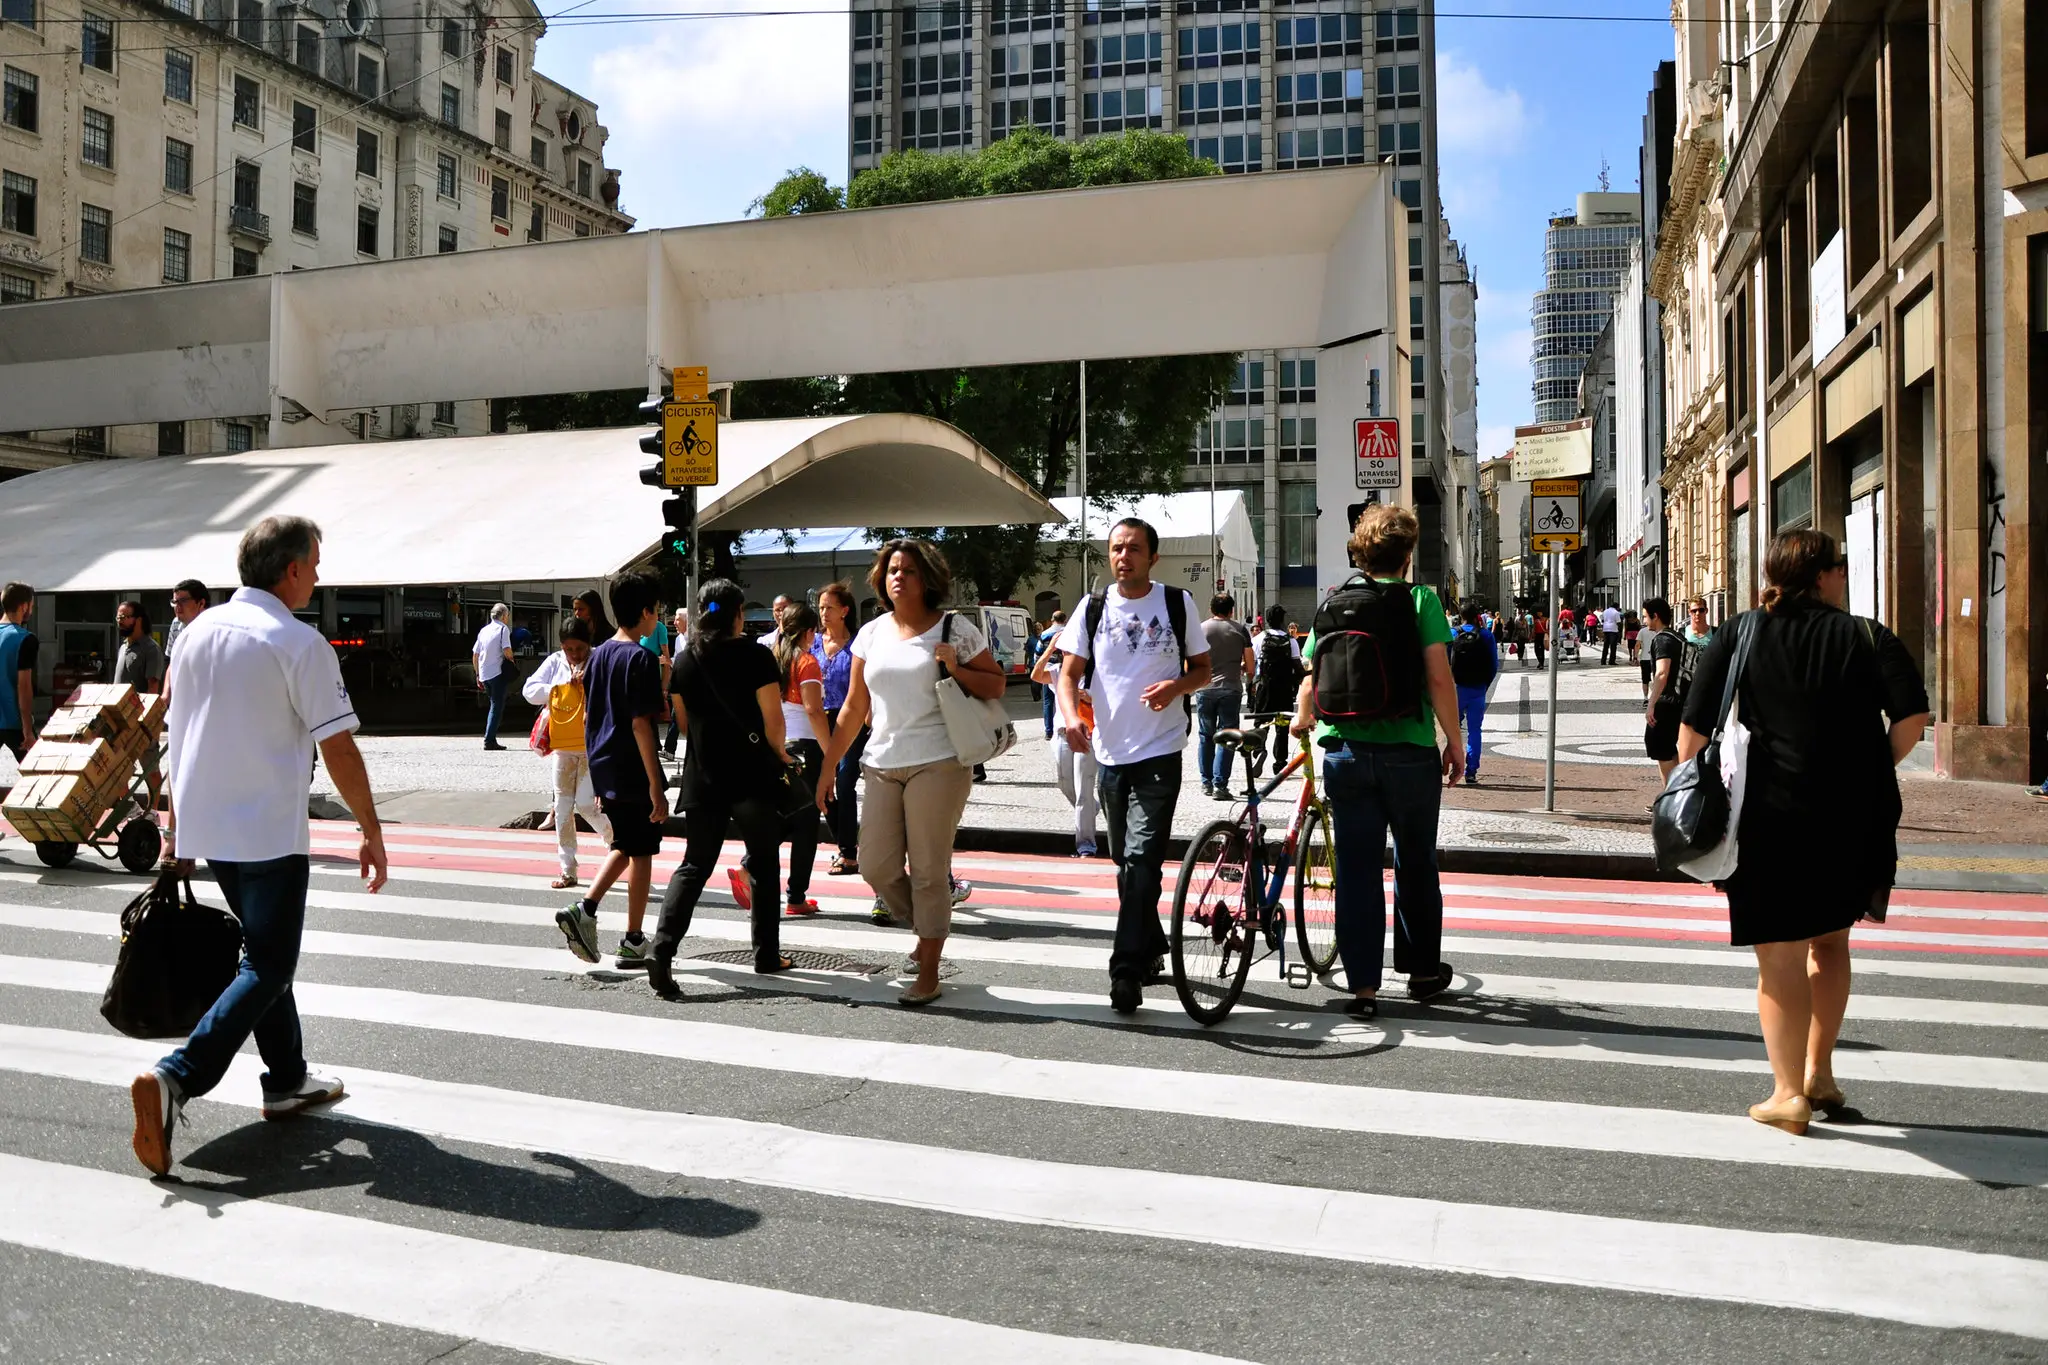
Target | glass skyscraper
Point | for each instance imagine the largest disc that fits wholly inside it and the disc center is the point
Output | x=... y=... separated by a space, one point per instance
x=1584 y=259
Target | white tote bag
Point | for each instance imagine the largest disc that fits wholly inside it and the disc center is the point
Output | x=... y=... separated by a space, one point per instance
x=980 y=729
x=1719 y=863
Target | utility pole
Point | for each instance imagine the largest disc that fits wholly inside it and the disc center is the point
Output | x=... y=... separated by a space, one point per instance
x=1084 y=478
x=1550 y=745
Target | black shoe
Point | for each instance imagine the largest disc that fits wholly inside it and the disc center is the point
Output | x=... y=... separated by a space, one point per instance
x=1125 y=995
x=1362 y=1007
x=1431 y=986
x=494 y=746
x=662 y=979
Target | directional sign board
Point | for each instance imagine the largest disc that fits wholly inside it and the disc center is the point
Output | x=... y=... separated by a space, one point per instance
x=689 y=444
x=1554 y=524
x=1376 y=441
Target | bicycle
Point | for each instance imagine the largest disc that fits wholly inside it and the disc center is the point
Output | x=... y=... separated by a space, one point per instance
x=1225 y=907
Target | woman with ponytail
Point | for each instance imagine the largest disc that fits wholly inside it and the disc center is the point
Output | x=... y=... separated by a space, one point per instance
x=1833 y=702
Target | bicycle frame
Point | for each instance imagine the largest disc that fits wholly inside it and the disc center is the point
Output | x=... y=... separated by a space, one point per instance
x=1256 y=875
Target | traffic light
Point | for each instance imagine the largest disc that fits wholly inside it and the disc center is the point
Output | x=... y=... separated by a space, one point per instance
x=651 y=444
x=680 y=513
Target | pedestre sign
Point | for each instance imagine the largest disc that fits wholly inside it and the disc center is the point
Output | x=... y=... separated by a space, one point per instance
x=1554 y=516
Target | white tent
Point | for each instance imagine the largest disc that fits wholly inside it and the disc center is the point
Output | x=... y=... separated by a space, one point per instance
x=1185 y=522
x=535 y=507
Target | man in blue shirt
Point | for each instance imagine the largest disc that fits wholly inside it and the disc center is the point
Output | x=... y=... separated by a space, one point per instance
x=17 y=670
x=1475 y=659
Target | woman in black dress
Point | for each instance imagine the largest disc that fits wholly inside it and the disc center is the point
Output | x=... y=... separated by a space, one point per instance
x=1832 y=702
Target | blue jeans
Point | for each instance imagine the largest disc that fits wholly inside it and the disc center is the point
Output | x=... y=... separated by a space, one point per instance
x=1374 y=789
x=1049 y=705
x=494 y=688
x=843 y=815
x=1472 y=720
x=1216 y=709
x=1137 y=806
x=270 y=900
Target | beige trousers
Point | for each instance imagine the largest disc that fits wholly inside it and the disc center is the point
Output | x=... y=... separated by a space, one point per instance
x=910 y=816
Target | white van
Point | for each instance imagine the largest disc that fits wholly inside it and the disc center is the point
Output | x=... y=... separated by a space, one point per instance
x=1009 y=638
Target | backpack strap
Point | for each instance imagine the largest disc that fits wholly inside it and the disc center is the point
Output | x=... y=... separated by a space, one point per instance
x=1091 y=626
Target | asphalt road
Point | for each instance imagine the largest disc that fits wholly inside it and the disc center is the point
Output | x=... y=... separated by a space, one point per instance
x=542 y=1160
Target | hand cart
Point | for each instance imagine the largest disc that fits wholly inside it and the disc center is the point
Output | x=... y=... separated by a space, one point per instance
x=123 y=829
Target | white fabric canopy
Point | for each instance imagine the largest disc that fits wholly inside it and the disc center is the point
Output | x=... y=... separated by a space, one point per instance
x=1183 y=521
x=528 y=508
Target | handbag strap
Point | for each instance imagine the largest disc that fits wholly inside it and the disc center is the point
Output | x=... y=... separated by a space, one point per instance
x=1745 y=636
x=753 y=735
x=945 y=638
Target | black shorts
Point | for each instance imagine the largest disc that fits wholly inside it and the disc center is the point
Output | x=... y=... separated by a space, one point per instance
x=634 y=832
x=1660 y=739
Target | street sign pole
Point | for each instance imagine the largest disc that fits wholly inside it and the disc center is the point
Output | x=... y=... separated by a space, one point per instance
x=1550 y=746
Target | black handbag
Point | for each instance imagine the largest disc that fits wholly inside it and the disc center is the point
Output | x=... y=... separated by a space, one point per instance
x=1690 y=817
x=176 y=958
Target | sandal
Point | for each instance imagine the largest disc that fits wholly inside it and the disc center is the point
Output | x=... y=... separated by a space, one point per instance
x=844 y=867
x=912 y=998
x=563 y=883
x=1431 y=986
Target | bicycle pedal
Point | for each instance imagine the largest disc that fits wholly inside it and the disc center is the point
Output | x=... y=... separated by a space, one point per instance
x=1298 y=975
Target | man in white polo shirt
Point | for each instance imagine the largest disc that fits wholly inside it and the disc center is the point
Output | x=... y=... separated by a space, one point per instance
x=1147 y=653
x=255 y=689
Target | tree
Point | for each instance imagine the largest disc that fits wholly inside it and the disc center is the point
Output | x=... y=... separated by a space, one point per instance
x=802 y=190
x=1142 y=414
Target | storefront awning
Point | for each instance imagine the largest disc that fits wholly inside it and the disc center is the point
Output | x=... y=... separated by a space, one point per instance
x=529 y=508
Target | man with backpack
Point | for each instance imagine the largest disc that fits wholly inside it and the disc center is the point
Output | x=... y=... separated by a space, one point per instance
x=1137 y=650
x=1672 y=659
x=1475 y=659
x=1276 y=674
x=1378 y=669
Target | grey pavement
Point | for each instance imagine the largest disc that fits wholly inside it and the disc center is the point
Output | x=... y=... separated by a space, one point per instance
x=478 y=1128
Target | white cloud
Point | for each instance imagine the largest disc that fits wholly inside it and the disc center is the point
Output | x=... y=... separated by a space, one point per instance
x=706 y=114
x=1472 y=117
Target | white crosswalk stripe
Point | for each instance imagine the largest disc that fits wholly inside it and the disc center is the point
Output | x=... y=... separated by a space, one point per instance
x=1581 y=1130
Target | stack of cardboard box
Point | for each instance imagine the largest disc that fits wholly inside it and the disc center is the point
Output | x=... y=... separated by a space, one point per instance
x=83 y=761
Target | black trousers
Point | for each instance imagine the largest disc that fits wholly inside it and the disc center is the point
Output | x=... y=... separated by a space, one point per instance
x=704 y=831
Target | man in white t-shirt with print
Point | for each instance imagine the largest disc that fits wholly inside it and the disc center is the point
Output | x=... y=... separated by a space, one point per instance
x=1141 y=729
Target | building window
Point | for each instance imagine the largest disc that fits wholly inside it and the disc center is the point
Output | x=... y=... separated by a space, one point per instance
x=540 y=153
x=243 y=262
x=366 y=152
x=248 y=103
x=501 y=199
x=505 y=72
x=369 y=77
x=1792 y=498
x=95 y=234
x=21 y=108
x=306 y=209
x=582 y=228
x=366 y=230
x=583 y=178
x=97 y=149
x=444 y=414
x=451 y=38
x=1298 y=525
x=445 y=176
x=177 y=256
x=17 y=289
x=447 y=241
x=18 y=203
x=96 y=41
x=451 y=106
x=177 y=166
x=249 y=21
x=305 y=128
x=170 y=438
x=21 y=12
x=2034 y=78
x=536 y=225
x=306 y=47
x=248 y=186
x=504 y=131
x=178 y=77
x=240 y=437
x=89 y=440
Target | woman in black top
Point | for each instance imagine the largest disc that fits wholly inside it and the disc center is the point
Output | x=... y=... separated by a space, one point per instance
x=728 y=696
x=1832 y=702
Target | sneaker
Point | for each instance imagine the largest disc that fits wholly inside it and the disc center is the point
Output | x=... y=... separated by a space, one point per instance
x=1125 y=995
x=1085 y=851
x=634 y=955
x=315 y=1089
x=662 y=980
x=579 y=926
x=1221 y=793
x=1208 y=789
x=879 y=914
x=1471 y=779
x=798 y=909
x=742 y=888
x=962 y=888
x=158 y=1110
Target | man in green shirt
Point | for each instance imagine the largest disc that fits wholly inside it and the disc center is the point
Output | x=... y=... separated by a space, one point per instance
x=1383 y=769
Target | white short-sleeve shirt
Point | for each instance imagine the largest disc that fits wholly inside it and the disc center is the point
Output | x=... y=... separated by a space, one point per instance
x=1610 y=620
x=909 y=729
x=1134 y=649
x=491 y=643
x=254 y=689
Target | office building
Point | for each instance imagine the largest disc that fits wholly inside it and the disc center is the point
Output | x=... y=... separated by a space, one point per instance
x=1584 y=255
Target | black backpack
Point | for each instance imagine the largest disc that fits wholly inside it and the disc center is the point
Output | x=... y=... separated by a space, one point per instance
x=1472 y=663
x=1368 y=663
x=1176 y=620
x=1279 y=677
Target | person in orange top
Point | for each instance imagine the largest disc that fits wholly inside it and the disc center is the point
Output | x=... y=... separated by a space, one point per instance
x=558 y=685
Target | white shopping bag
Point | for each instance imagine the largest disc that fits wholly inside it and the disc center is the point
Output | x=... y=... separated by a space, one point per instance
x=1718 y=864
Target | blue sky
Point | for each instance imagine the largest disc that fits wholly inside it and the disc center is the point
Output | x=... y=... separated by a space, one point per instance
x=706 y=114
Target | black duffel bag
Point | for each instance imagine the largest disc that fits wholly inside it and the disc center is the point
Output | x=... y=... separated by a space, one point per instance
x=176 y=958
x=1690 y=817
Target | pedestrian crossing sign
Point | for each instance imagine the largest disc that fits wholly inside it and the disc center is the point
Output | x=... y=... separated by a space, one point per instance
x=689 y=444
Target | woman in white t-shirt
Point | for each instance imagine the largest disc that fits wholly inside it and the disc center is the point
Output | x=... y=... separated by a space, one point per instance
x=917 y=787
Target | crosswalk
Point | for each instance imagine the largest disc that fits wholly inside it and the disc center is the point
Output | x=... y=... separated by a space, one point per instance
x=541 y=1157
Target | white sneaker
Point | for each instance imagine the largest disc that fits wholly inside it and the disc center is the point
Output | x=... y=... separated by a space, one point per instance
x=158 y=1110
x=961 y=888
x=315 y=1089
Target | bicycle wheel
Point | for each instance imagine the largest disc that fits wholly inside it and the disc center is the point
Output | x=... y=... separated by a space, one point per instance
x=1213 y=935
x=1315 y=893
